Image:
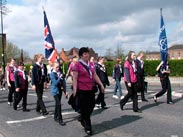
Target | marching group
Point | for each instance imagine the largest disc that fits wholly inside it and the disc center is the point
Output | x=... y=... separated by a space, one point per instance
x=87 y=77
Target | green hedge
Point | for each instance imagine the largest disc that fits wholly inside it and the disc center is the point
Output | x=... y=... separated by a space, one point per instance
x=150 y=67
x=176 y=67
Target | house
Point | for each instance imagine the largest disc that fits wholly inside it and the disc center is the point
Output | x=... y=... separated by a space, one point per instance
x=176 y=52
x=74 y=52
x=155 y=55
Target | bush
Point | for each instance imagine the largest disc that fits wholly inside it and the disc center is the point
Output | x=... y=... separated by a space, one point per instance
x=176 y=67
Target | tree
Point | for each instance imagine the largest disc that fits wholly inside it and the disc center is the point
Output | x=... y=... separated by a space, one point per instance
x=108 y=54
x=119 y=52
x=12 y=51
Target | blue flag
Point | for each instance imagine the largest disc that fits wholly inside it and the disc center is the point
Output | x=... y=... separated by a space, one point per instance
x=163 y=42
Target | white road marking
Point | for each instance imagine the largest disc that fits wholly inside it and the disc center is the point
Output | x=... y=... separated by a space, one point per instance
x=174 y=93
x=36 y=95
x=25 y=120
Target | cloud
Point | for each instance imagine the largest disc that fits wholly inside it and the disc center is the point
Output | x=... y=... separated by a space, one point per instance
x=98 y=24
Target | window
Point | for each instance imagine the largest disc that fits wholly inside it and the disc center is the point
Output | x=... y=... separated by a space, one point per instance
x=179 y=55
x=172 y=56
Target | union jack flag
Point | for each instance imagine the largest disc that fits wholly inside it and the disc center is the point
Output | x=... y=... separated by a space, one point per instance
x=50 y=51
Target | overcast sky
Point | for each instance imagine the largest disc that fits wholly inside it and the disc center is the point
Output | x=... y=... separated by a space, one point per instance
x=100 y=24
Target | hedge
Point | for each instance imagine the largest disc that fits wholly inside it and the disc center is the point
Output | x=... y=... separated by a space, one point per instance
x=176 y=67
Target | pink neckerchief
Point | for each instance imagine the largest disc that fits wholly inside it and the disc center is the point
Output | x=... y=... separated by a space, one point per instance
x=24 y=77
x=87 y=65
x=134 y=66
x=13 y=66
x=41 y=66
x=103 y=67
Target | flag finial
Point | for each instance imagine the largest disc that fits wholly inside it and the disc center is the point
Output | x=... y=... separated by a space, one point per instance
x=43 y=8
x=161 y=11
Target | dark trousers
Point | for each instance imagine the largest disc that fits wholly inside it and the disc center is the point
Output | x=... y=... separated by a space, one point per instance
x=18 y=96
x=166 y=86
x=58 y=110
x=140 y=86
x=11 y=91
x=100 y=97
x=2 y=83
x=132 y=93
x=87 y=104
x=40 y=103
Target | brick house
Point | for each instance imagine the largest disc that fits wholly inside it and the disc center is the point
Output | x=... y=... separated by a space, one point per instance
x=176 y=52
x=153 y=55
x=74 y=52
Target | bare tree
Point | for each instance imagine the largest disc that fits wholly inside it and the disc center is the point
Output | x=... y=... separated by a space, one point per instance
x=119 y=52
x=109 y=54
x=12 y=51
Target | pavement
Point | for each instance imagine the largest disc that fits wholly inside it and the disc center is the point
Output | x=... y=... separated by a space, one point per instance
x=151 y=80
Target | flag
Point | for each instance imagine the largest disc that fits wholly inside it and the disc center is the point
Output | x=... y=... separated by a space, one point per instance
x=163 y=41
x=50 y=51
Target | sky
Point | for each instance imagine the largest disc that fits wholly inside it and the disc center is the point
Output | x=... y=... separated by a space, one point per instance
x=99 y=24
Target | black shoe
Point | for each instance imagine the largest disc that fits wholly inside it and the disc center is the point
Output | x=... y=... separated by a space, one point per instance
x=38 y=111
x=62 y=123
x=26 y=110
x=89 y=132
x=155 y=99
x=104 y=107
x=145 y=100
x=170 y=102
x=45 y=113
x=79 y=118
x=121 y=106
x=82 y=123
x=138 y=111
x=56 y=119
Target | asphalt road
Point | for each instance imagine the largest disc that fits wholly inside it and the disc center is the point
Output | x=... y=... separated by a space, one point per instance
x=157 y=119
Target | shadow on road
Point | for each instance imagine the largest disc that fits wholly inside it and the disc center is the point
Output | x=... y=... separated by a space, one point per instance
x=151 y=105
x=117 y=122
x=177 y=100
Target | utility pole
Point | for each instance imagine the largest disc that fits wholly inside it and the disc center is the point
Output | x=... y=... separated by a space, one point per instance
x=2 y=39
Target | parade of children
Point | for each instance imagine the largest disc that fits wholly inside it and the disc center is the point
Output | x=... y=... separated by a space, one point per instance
x=83 y=76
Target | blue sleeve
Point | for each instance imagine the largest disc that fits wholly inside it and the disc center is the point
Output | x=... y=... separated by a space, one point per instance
x=54 y=80
x=127 y=75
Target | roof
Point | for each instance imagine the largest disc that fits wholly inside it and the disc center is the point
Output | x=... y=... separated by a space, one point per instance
x=153 y=52
x=178 y=46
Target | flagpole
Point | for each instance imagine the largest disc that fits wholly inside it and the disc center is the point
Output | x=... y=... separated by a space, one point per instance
x=161 y=11
x=43 y=8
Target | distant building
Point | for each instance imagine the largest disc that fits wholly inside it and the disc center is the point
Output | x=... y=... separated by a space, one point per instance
x=74 y=52
x=153 y=55
x=176 y=52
